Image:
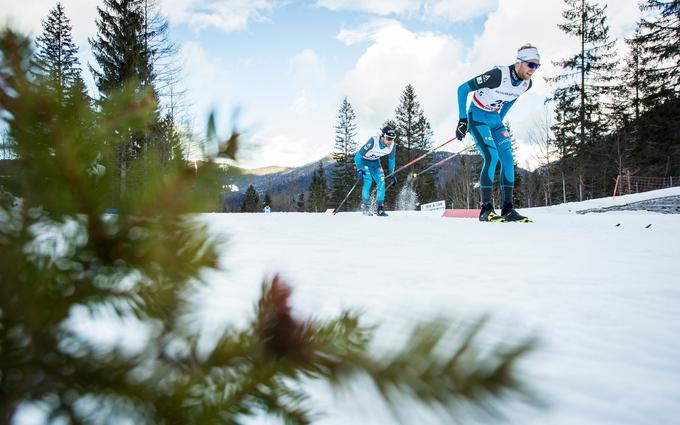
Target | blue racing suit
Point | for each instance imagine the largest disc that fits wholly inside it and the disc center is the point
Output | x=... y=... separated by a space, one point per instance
x=495 y=92
x=367 y=159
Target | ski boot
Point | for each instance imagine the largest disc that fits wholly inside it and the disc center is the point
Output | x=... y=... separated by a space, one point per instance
x=366 y=208
x=511 y=214
x=381 y=211
x=488 y=214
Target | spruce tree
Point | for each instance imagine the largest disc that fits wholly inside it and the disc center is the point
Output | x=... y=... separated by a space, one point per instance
x=56 y=57
x=125 y=50
x=63 y=259
x=658 y=151
x=121 y=47
x=579 y=116
x=415 y=138
x=267 y=201
x=426 y=184
x=251 y=200
x=625 y=108
x=407 y=119
x=659 y=37
x=318 y=191
x=300 y=203
x=343 y=175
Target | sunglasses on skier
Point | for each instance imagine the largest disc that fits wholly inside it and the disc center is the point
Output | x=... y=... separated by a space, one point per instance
x=532 y=65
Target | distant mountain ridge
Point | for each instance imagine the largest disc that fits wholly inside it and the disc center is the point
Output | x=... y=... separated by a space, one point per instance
x=274 y=180
x=292 y=181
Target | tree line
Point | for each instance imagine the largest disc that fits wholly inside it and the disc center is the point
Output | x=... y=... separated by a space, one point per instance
x=610 y=116
x=132 y=52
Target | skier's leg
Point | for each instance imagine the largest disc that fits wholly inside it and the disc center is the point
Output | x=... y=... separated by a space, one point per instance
x=379 y=177
x=504 y=147
x=481 y=133
x=368 y=182
x=507 y=161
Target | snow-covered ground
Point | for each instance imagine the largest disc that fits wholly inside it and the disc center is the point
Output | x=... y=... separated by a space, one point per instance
x=600 y=290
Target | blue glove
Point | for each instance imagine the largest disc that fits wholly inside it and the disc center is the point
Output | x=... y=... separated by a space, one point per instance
x=360 y=174
x=393 y=180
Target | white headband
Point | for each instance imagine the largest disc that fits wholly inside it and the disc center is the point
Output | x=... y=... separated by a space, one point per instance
x=528 y=54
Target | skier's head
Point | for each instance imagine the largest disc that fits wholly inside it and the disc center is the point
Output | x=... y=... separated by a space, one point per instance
x=528 y=61
x=388 y=134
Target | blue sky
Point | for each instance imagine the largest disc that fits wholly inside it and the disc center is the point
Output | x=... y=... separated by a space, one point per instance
x=286 y=65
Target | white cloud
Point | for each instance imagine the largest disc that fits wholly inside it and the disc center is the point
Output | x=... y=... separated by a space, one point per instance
x=457 y=10
x=27 y=16
x=452 y=10
x=365 y=32
x=307 y=69
x=398 y=57
x=226 y=15
x=379 y=7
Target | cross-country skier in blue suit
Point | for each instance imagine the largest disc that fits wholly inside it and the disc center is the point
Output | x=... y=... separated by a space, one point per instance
x=367 y=161
x=495 y=92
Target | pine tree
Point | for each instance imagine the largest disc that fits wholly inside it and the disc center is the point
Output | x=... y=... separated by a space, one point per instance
x=63 y=258
x=658 y=151
x=300 y=203
x=56 y=57
x=251 y=200
x=659 y=38
x=625 y=108
x=125 y=51
x=267 y=200
x=408 y=122
x=318 y=191
x=415 y=138
x=121 y=47
x=425 y=187
x=343 y=175
x=579 y=116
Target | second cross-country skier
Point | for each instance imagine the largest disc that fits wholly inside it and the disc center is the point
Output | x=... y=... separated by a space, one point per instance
x=495 y=92
x=367 y=162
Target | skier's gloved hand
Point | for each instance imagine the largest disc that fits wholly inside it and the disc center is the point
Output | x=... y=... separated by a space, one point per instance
x=393 y=180
x=360 y=174
x=461 y=128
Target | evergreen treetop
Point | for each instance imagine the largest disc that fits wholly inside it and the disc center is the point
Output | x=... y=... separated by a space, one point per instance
x=56 y=57
x=343 y=175
x=121 y=47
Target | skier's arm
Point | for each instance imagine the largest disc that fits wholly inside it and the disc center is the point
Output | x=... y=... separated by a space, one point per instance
x=490 y=79
x=357 y=160
x=391 y=160
x=463 y=91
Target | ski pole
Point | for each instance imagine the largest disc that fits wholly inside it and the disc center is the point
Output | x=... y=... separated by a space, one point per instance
x=335 y=211
x=467 y=149
x=431 y=151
